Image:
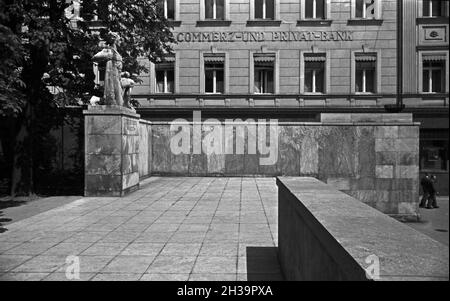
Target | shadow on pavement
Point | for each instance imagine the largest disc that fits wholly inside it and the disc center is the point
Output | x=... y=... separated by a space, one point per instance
x=262 y=264
x=4 y=205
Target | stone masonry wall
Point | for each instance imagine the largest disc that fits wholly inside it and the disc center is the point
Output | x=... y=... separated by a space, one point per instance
x=145 y=154
x=372 y=157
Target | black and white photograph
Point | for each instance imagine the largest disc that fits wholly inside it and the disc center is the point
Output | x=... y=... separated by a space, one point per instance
x=224 y=146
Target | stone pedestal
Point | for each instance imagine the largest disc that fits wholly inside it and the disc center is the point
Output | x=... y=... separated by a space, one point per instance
x=111 y=151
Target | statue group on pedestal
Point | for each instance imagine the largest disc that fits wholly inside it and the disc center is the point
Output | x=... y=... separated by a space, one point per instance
x=118 y=84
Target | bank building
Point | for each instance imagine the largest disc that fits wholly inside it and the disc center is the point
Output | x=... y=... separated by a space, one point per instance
x=294 y=59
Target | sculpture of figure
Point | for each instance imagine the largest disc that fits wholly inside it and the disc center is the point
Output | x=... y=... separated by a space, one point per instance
x=127 y=85
x=113 y=87
x=94 y=101
x=72 y=12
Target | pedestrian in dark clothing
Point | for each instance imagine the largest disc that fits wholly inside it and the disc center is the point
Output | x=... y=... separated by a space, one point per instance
x=425 y=183
x=432 y=203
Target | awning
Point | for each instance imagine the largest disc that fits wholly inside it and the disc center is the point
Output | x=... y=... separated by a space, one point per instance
x=366 y=58
x=214 y=59
x=434 y=58
x=315 y=58
x=265 y=58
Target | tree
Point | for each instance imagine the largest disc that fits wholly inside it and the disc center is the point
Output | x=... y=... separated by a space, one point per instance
x=46 y=62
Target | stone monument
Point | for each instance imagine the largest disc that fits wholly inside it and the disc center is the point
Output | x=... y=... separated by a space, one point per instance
x=112 y=133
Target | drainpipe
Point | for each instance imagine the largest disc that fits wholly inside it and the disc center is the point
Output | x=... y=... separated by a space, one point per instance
x=399 y=106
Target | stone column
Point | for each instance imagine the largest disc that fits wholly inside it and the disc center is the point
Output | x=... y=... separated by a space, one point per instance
x=111 y=151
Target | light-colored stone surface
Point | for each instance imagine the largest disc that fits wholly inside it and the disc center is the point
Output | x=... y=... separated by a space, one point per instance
x=171 y=229
x=328 y=235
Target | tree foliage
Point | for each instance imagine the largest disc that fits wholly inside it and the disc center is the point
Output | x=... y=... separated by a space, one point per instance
x=46 y=62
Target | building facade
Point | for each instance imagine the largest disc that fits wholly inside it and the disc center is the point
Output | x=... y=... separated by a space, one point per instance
x=426 y=81
x=294 y=59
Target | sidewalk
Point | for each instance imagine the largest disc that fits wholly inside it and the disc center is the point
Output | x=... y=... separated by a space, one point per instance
x=173 y=229
x=435 y=222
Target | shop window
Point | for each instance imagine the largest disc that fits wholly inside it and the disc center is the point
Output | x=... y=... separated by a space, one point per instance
x=215 y=9
x=365 y=73
x=265 y=9
x=315 y=73
x=433 y=151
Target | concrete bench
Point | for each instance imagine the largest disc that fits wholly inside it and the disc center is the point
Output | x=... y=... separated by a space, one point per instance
x=324 y=234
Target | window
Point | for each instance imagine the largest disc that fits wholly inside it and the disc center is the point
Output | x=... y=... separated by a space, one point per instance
x=264 y=73
x=165 y=76
x=433 y=8
x=214 y=73
x=433 y=75
x=315 y=9
x=365 y=9
x=365 y=73
x=265 y=9
x=168 y=7
x=215 y=9
x=315 y=73
x=434 y=150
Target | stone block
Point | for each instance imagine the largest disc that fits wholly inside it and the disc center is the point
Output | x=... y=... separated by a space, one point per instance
x=407 y=145
x=407 y=171
x=398 y=117
x=198 y=165
x=386 y=158
x=251 y=160
x=179 y=164
x=383 y=184
x=365 y=183
x=401 y=196
x=337 y=152
x=408 y=132
x=112 y=144
x=106 y=144
x=403 y=184
x=130 y=163
x=385 y=145
x=216 y=164
x=309 y=156
x=386 y=131
x=288 y=152
x=161 y=153
x=103 y=124
x=407 y=208
x=130 y=126
x=366 y=196
x=103 y=165
x=97 y=184
x=339 y=183
x=130 y=144
x=130 y=180
x=384 y=171
x=366 y=151
x=251 y=164
x=366 y=117
x=234 y=164
x=335 y=118
x=408 y=158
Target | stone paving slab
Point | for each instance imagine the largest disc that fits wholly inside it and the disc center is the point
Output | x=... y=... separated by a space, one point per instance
x=171 y=229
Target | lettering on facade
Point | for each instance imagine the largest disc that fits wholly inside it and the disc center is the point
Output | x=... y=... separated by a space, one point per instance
x=260 y=36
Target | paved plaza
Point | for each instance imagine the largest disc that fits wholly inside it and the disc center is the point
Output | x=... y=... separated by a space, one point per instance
x=171 y=229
